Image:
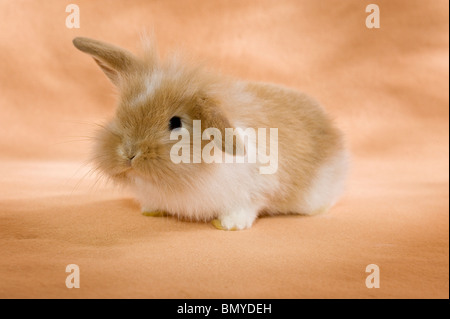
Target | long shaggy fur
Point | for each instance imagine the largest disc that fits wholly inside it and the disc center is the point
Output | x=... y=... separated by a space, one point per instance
x=134 y=147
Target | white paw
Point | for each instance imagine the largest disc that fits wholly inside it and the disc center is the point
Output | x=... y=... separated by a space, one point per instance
x=237 y=220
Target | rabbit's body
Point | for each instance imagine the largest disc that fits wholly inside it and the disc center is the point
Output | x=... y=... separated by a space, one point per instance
x=135 y=146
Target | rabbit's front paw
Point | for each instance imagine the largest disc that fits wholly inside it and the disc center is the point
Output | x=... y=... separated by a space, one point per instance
x=236 y=220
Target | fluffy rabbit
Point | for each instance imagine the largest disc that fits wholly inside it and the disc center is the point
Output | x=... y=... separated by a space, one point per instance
x=158 y=98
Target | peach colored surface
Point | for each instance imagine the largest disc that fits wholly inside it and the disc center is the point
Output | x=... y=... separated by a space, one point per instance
x=387 y=89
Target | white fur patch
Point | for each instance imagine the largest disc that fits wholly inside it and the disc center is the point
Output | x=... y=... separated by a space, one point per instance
x=152 y=83
x=230 y=188
x=328 y=184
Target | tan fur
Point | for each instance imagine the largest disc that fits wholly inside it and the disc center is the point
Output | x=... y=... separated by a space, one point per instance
x=151 y=92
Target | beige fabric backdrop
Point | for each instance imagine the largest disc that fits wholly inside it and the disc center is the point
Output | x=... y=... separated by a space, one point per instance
x=387 y=89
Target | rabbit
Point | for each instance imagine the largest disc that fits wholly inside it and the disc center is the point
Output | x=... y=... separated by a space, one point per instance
x=158 y=98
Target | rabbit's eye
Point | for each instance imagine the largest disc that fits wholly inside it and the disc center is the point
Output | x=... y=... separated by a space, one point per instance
x=175 y=122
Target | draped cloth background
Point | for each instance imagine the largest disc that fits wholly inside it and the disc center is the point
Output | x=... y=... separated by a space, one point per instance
x=386 y=88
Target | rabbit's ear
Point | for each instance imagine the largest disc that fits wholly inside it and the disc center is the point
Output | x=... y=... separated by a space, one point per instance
x=115 y=62
x=212 y=116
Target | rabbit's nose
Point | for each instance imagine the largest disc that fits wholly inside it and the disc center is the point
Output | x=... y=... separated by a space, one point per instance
x=130 y=159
